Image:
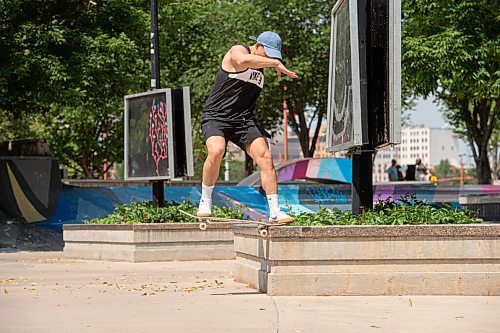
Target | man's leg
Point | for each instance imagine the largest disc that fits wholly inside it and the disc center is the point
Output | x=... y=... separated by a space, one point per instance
x=216 y=146
x=259 y=151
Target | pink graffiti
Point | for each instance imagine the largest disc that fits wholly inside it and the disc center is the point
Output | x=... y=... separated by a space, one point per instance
x=158 y=133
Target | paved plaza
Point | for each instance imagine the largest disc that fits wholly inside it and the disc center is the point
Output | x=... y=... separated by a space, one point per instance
x=44 y=292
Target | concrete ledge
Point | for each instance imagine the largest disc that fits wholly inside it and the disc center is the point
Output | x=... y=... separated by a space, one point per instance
x=438 y=230
x=370 y=260
x=148 y=242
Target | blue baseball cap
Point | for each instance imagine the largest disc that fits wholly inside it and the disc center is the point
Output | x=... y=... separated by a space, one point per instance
x=271 y=42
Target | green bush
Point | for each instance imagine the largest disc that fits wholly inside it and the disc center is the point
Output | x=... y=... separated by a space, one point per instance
x=144 y=212
x=406 y=210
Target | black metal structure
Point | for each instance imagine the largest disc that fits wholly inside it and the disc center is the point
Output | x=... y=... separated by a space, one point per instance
x=368 y=30
x=157 y=185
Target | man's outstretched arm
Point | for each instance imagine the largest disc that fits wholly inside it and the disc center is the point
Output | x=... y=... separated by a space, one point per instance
x=242 y=60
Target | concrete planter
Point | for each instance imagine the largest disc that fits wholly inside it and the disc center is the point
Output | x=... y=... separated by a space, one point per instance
x=488 y=205
x=370 y=260
x=148 y=242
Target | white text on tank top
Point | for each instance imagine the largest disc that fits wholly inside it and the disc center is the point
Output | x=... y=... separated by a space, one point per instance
x=250 y=75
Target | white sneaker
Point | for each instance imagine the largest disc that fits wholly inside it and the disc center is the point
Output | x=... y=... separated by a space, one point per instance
x=281 y=218
x=205 y=208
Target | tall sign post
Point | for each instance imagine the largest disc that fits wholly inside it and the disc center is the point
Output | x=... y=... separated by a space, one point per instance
x=157 y=185
x=158 y=142
x=285 y=127
x=364 y=91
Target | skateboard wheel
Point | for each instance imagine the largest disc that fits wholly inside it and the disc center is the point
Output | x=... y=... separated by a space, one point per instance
x=263 y=232
x=203 y=226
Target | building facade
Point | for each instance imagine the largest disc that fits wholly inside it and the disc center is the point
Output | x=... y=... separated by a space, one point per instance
x=430 y=145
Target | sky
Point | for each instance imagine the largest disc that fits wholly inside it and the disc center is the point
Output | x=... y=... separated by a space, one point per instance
x=427 y=113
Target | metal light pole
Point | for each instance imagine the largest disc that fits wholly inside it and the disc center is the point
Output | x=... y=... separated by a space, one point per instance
x=155 y=54
x=461 y=171
x=157 y=185
x=226 y=167
x=285 y=127
x=362 y=161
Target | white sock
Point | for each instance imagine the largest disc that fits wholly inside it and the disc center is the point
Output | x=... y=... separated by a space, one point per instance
x=274 y=208
x=206 y=194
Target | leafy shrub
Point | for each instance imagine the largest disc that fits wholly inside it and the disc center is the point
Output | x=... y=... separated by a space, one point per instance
x=144 y=212
x=406 y=210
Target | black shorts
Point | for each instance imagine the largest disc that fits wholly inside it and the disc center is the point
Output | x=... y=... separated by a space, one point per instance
x=241 y=133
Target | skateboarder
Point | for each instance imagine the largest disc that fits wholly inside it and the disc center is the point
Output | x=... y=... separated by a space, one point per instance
x=228 y=115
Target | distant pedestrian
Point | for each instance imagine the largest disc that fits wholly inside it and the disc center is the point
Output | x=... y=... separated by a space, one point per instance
x=421 y=170
x=393 y=173
x=400 y=174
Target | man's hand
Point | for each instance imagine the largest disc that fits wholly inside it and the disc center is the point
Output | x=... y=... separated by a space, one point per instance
x=282 y=69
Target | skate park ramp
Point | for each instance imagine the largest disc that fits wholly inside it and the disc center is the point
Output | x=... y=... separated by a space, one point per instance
x=30 y=182
x=77 y=203
x=327 y=170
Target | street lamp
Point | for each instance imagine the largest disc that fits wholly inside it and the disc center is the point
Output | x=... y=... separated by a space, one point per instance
x=285 y=126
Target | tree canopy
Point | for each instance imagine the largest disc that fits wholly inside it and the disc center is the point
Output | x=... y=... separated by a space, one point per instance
x=451 y=50
x=66 y=66
x=69 y=63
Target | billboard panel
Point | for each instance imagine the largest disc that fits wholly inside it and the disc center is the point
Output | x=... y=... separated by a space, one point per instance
x=148 y=135
x=395 y=71
x=344 y=128
x=384 y=63
x=364 y=97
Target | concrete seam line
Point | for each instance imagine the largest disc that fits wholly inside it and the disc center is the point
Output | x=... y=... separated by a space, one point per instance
x=277 y=315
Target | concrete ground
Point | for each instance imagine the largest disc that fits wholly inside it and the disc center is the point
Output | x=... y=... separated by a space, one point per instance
x=43 y=292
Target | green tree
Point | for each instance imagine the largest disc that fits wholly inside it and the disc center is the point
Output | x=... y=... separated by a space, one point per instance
x=67 y=66
x=451 y=50
x=445 y=170
x=305 y=29
x=196 y=35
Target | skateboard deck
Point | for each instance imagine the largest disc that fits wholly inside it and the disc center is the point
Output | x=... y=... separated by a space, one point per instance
x=261 y=226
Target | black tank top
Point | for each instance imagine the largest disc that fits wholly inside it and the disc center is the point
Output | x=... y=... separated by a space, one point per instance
x=234 y=95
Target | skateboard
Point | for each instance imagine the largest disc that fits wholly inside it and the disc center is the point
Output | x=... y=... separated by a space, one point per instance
x=261 y=226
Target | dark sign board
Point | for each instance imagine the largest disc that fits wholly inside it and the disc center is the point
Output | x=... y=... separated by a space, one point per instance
x=344 y=95
x=364 y=91
x=384 y=76
x=158 y=143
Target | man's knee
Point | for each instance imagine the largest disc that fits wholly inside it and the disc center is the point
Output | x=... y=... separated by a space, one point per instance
x=216 y=151
x=265 y=161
